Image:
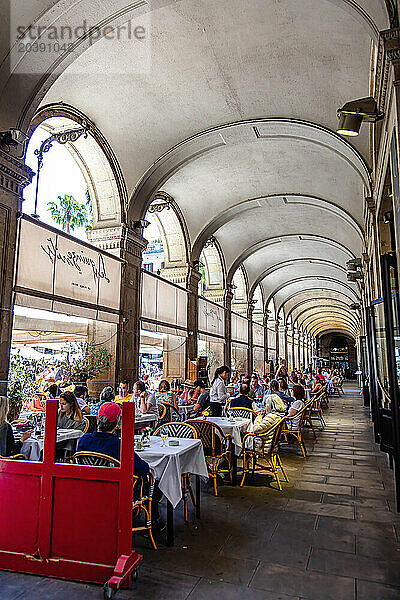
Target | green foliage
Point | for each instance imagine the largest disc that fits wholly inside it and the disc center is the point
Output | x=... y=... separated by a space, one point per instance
x=70 y=214
x=21 y=384
x=92 y=363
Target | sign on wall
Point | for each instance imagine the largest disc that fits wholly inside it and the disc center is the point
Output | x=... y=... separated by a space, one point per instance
x=240 y=328
x=258 y=335
x=163 y=302
x=56 y=269
x=211 y=318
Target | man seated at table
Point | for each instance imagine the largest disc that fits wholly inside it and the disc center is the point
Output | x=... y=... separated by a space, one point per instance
x=106 y=441
x=272 y=401
x=203 y=401
x=124 y=395
x=256 y=389
x=243 y=400
x=81 y=393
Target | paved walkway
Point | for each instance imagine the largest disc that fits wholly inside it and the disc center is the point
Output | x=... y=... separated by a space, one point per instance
x=331 y=534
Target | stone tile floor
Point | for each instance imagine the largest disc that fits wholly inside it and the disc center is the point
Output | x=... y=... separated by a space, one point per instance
x=330 y=534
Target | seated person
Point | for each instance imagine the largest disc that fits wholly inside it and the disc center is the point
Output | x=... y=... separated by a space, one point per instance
x=243 y=400
x=165 y=394
x=283 y=391
x=256 y=389
x=106 y=441
x=81 y=393
x=318 y=387
x=69 y=414
x=298 y=394
x=189 y=394
x=124 y=395
x=263 y=422
x=8 y=445
x=106 y=395
x=203 y=401
x=148 y=404
x=273 y=402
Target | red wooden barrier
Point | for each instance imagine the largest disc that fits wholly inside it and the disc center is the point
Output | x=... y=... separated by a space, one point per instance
x=69 y=521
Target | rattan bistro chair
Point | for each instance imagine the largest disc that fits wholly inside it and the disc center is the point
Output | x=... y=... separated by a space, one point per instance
x=162 y=411
x=14 y=457
x=217 y=448
x=288 y=433
x=94 y=459
x=186 y=431
x=143 y=489
x=263 y=446
x=171 y=414
x=245 y=413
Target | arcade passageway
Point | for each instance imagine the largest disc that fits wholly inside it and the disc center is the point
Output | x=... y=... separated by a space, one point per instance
x=331 y=533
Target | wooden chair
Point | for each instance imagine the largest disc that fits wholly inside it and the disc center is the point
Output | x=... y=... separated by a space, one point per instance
x=143 y=496
x=296 y=433
x=315 y=410
x=186 y=431
x=245 y=413
x=258 y=446
x=217 y=447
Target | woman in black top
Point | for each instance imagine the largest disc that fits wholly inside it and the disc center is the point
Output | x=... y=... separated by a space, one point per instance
x=8 y=445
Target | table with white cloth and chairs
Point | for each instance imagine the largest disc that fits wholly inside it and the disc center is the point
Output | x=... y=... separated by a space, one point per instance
x=168 y=464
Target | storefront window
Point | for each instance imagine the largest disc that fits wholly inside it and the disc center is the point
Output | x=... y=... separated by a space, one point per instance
x=381 y=349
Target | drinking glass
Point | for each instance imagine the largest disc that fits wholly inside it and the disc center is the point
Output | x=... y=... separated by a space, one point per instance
x=164 y=437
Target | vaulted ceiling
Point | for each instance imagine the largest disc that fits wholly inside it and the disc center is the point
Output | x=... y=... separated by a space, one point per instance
x=230 y=107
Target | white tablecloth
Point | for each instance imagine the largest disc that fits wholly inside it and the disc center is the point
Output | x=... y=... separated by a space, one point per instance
x=33 y=446
x=169 y=463
x=234 y=429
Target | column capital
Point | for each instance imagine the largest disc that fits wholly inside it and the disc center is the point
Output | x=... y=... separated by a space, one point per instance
x=14 y=174
x=193 y=278
x=123 y=240
x=388 y=55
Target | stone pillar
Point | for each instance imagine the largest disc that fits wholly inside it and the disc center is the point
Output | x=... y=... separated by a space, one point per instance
x=283 y=342
x=194 y=277
x=128 y=243
x=250 y=310
x=14 y=176
x=296 y=349
x=266 y=347
x=228 y=325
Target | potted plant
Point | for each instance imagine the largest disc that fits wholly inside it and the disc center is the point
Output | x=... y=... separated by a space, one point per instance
x=93 y=361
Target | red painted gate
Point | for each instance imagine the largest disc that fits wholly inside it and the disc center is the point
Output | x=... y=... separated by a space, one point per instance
x=69 y=521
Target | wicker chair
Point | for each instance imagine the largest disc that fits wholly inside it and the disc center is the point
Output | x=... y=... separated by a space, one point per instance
x=296 y=433
x=143 y=491
x=87 y=424
x=14 y=457
x=94 y=459
x=245 y=413
x=171 y=414
x=258 y=446
x=162 y=411
x=186 y=431
x=217 y=447
x=315 y=410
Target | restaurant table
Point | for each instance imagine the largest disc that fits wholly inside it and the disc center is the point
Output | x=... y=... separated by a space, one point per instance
x=32 y=448
x=168 y=464
x=235 y=429
x=145 y=420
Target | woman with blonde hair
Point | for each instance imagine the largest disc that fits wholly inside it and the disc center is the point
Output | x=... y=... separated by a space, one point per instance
x=8 y=445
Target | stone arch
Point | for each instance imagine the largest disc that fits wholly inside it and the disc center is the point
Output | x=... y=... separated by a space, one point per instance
x=212 y=265
x=167 y=225
x=240 y=292
x=96 y=160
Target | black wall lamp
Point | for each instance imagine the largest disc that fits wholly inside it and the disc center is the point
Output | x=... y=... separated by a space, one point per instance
x=353 y=113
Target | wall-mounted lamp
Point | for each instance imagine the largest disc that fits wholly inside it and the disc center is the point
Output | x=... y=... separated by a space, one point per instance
x=387 y=216
x=353 y=113
x=140 y=224
x=354 y=263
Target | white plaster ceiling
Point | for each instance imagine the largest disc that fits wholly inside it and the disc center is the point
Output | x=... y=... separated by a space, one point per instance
x=267 y=66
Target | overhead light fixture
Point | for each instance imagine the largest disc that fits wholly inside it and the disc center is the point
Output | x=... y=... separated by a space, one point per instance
x=354 y=263
x=355 y=306
x=353 y=113
x=141 y=224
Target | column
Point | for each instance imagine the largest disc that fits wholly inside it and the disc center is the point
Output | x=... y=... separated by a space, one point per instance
x=283 y=341
x=128 y=243
x=296 y=349
x=228 y=324
x=250 y=310
x=194 y=277
x=14 y=176
x=266 y=348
